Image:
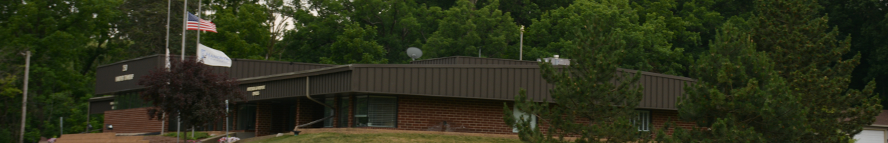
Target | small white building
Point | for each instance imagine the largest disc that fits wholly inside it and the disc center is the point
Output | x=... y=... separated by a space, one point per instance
x=876 y=132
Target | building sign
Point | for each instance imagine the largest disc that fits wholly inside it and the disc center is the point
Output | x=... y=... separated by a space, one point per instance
x=123 y=78
x=255 y=89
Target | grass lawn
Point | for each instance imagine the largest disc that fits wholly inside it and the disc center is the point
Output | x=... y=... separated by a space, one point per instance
x=187 y=135
x=383 y=137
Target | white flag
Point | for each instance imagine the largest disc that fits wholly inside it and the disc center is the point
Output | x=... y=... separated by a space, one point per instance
x=212 y=57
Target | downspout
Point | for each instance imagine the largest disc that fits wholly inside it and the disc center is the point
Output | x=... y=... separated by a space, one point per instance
x=307 y=94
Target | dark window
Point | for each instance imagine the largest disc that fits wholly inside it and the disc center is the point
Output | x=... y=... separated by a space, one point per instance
x=129 y=100
x=246 y=117
x=328 y=111
x=376 y=111
x=643 y=120
x=343 y=112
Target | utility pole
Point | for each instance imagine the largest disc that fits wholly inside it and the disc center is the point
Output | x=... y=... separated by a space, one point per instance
x=25 y=95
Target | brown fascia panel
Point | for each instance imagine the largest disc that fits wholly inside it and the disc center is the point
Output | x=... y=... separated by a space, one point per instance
x=297 y=74
x=106 y=74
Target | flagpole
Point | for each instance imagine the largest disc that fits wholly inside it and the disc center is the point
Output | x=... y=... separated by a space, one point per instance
x=199 y=25
x=184 y=27
x=167 y=62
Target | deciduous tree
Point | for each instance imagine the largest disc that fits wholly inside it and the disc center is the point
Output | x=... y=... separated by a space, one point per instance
x=464 y=29
x=190 y=89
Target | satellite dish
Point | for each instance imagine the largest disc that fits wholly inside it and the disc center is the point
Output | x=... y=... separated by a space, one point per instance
x=414 y=53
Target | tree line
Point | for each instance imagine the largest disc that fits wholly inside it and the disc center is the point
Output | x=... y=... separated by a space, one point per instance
x=719 y=42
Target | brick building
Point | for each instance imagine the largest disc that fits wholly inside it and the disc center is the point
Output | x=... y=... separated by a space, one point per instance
x=456 y=94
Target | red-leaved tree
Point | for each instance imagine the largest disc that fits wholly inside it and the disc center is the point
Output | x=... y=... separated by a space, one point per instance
x=191 y=89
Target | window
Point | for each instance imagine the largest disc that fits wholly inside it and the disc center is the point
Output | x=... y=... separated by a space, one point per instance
x=343 y=115
x=246 y=117
x=376 y=111
x=517 y=114
x=328 y=111
x=643 y=120
x=129 y=100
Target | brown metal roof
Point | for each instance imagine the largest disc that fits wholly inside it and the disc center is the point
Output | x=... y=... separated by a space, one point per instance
x=473 y=60
x=478 y=81
x=497 y=82
x=882 y=118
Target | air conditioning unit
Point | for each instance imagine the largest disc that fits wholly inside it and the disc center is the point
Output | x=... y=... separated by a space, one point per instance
x=555 y=61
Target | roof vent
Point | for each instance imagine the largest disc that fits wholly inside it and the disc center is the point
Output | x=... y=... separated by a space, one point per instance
x=555 y=60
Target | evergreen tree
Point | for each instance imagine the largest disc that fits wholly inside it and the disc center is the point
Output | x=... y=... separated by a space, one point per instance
x=808 y=54
x=738 y=97
x=593 y=98
x=867 y=22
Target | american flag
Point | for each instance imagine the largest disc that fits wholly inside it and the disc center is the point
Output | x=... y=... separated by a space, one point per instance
x=204 y=25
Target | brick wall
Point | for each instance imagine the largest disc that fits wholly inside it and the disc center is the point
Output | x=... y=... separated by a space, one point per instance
x=461 y=115
x=306 y=111
x=660 y=117
x=424 y=114
x=264 y=115
x=480 y=116
x=131 y=121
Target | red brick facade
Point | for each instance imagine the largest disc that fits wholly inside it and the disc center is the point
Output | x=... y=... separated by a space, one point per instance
x=420 y=113
x=306 y=111
x=660 y=117
x=263 y=119
x=132 y=121
x=480 y=116
x=460 y=115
